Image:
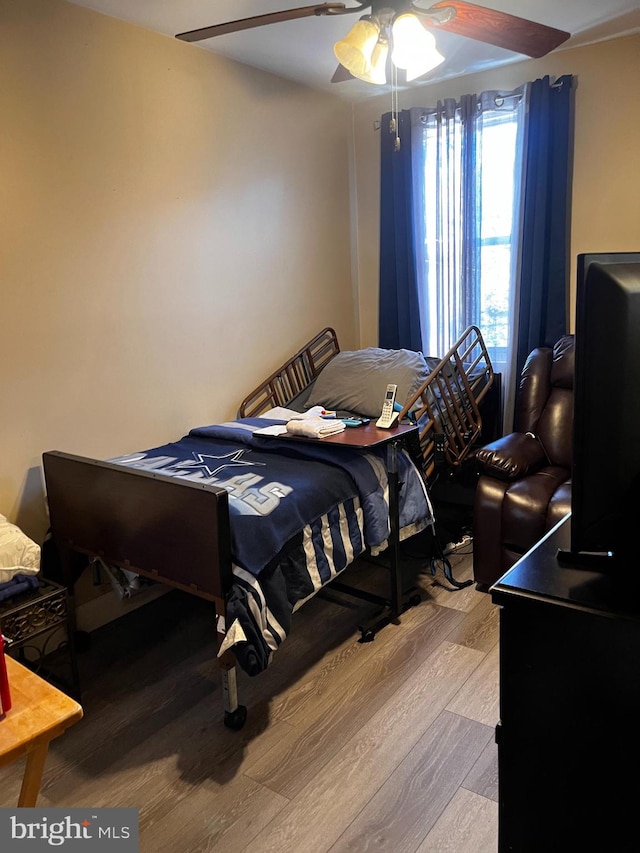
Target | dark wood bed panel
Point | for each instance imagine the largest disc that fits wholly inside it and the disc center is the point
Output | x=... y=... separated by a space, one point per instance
x=164 y=528
x=169 y=530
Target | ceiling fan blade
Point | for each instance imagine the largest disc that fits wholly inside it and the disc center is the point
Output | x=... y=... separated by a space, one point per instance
x=341 y=74
x=497 y=28
x=261 y=20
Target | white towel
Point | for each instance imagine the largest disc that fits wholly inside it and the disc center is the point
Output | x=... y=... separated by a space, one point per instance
x=315 y=427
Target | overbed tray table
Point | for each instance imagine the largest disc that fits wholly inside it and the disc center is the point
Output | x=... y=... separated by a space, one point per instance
x=363 y=437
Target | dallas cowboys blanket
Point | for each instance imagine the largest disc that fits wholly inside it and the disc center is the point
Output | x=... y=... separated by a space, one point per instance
x=299 y=514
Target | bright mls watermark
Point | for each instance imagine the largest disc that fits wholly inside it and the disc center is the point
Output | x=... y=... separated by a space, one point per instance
x=81 y=830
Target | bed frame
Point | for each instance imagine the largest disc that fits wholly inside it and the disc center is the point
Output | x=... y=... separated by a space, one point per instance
x=177 y=532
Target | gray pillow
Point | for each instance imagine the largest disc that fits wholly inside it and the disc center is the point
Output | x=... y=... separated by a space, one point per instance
x=356 y=381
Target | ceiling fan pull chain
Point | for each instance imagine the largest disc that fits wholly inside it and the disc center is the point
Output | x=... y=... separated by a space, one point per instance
x=395 y=121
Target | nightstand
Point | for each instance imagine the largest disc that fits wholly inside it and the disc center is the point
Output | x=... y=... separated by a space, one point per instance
x=35 y=625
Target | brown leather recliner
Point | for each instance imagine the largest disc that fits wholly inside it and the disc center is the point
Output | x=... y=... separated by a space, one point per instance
x=524 y=487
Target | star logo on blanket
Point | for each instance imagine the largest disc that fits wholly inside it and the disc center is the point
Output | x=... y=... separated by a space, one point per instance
x=203 y=460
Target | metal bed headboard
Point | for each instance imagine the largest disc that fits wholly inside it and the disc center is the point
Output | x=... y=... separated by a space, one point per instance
x=446 y=406
x=293 y=377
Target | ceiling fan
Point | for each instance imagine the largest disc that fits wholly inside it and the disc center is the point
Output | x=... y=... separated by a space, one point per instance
x=402 y=29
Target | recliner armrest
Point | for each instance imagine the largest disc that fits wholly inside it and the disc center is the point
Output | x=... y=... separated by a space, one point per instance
x=511 y=457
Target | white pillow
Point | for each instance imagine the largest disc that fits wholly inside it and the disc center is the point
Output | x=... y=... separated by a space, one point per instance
x=19 y=555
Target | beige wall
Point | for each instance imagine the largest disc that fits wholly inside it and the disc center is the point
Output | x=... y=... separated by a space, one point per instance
x=606 y=175
x=173 y=225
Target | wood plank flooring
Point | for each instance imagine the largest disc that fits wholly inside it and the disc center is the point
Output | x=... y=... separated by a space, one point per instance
x=385 y=746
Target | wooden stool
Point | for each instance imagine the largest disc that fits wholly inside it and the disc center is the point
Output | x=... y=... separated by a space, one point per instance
x=39 y=713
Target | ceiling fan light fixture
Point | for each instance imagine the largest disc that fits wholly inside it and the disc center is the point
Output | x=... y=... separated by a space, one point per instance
x=361 y=53
x=355 y=50
x=414 y=47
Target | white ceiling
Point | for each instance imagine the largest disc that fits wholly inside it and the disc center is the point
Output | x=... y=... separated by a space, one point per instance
x=302 y=50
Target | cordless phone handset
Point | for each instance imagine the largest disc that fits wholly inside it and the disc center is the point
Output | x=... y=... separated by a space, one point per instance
x=388 y=415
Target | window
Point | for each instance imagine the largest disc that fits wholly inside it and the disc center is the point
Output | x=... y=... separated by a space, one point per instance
x=496 y=230
x=470 y=167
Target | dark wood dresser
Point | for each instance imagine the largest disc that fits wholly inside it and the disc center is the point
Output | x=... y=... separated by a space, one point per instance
x=569 y=731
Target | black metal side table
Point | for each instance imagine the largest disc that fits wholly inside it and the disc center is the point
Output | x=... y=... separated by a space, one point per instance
x=32 y=623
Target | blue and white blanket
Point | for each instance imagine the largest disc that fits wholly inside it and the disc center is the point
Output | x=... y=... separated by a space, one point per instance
x=300 y=512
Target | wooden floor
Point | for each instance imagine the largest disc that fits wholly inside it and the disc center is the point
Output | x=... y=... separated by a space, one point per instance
x=385 y=746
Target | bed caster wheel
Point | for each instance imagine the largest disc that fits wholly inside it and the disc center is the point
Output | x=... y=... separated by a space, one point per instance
x=236 y=719
x=368 y=636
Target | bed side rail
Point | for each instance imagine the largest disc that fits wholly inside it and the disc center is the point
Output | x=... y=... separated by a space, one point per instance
x=161 y=527
x=446 y=406
x=293 y=376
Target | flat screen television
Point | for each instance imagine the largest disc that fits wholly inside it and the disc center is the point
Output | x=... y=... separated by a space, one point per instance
x=605 y=491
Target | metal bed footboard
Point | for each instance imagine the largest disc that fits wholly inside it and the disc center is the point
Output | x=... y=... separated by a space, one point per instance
x=446 y=406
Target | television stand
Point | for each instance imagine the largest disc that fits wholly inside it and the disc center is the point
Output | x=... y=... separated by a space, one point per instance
x=569 y=734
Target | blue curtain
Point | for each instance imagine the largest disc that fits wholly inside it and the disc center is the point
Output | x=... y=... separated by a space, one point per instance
x=399 y=307
x=543 y=308
x=427 y=292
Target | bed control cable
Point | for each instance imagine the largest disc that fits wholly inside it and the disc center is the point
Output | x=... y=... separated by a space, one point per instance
x=441 y=558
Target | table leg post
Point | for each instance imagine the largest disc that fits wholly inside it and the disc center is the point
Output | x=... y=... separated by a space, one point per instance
x=394 y=529
x=32 y=778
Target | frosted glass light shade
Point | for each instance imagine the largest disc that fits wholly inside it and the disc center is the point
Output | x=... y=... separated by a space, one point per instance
x=356 y=49
x=414 y=47
x=377 y=71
